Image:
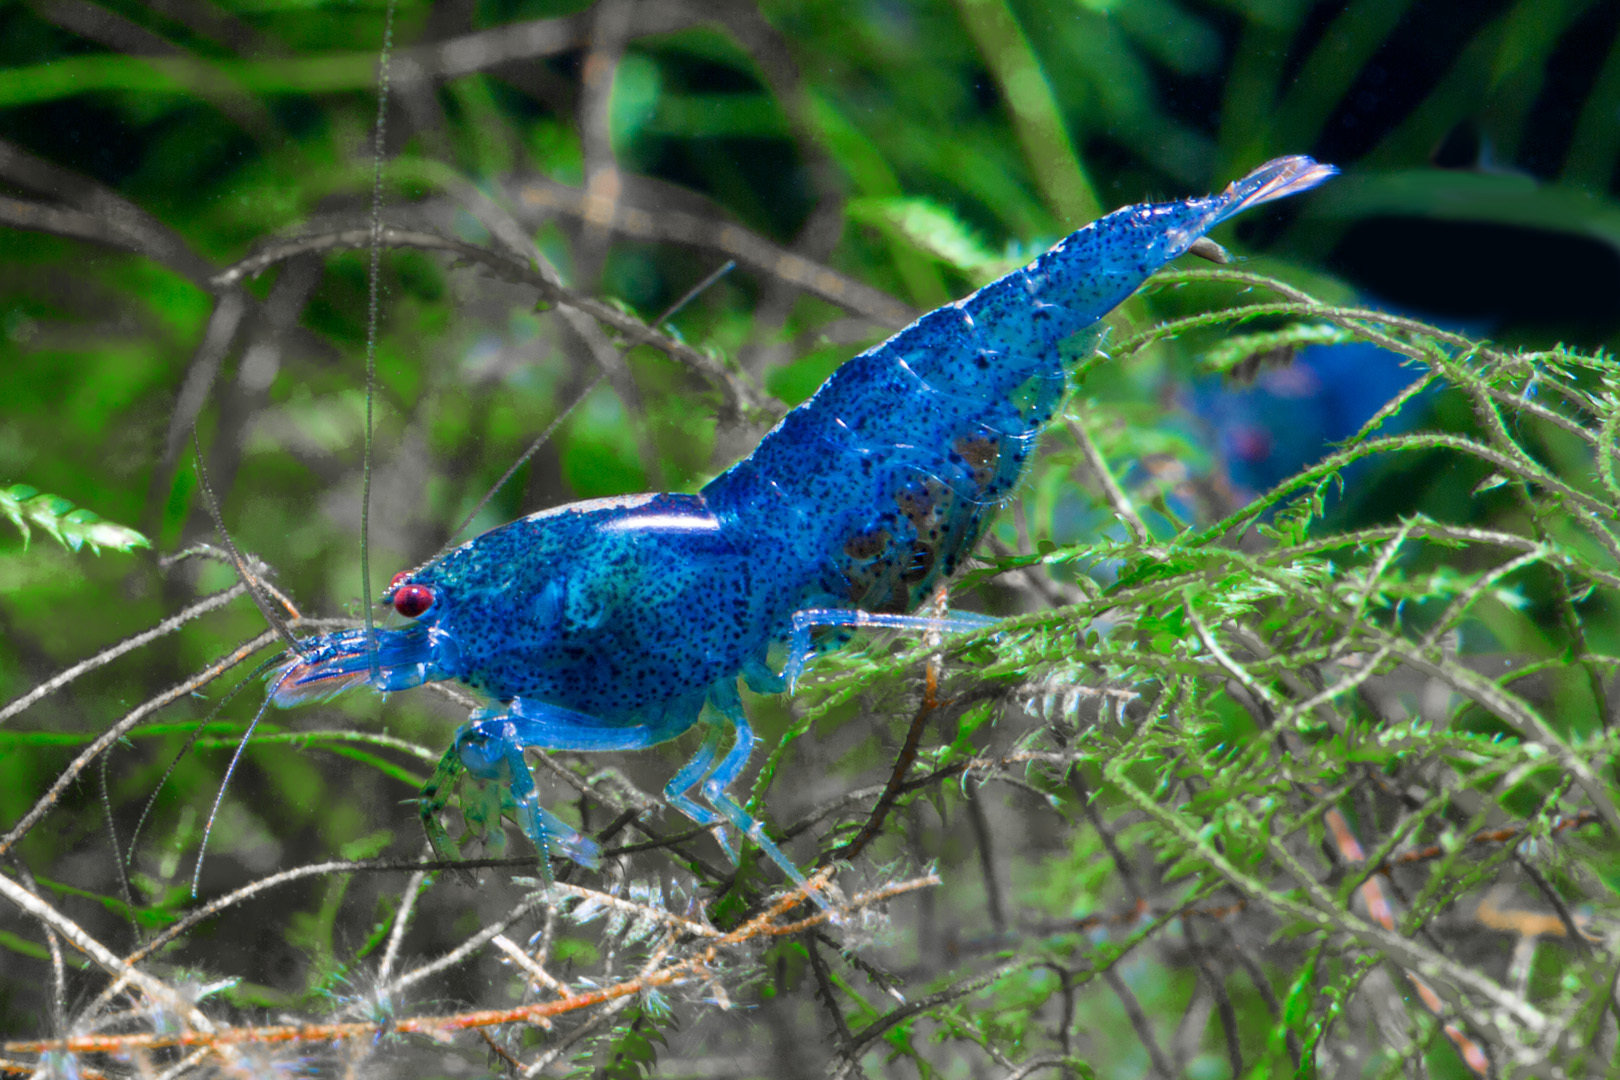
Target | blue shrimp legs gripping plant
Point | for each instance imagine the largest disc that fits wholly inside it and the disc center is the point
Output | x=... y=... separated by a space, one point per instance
x=617 y=624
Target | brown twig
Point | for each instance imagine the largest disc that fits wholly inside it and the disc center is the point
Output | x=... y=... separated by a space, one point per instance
x=903 y=761
x=768 y=924
x=1383 y=913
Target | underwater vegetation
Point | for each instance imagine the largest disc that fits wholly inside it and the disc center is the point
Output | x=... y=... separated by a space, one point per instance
x=1274 y=761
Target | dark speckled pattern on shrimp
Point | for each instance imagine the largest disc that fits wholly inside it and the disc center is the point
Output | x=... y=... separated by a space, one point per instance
x=612 y=624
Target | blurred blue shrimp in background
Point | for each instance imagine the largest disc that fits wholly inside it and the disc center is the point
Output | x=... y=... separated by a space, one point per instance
x=1288 y=416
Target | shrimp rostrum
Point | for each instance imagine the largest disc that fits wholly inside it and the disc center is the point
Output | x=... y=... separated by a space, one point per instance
x=618 y=624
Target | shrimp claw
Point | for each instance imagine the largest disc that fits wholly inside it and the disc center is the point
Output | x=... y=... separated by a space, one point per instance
x=486 y=759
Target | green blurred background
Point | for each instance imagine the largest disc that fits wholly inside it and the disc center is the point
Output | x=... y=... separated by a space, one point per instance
x=911 y=149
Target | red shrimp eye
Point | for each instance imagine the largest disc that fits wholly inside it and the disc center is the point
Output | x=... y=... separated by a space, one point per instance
x=399 y=577
x=411 y=600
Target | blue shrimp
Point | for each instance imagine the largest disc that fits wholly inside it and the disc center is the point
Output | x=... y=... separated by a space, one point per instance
x=618 y=624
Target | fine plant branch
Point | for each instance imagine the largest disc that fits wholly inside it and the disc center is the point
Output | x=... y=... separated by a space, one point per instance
x=103 y=957
x=770 y=923
x=71 y=527
x=739 y=396
x=1322 y=911
x=134 y=717
x=130 y=644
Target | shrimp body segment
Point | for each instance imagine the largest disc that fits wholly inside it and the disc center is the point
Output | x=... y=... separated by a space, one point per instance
x=617 y=624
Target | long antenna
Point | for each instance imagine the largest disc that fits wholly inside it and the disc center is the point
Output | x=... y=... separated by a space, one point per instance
x=225 y=781
x=249 y=579
x=691 y=294
x=533 y=449
x=373 y=306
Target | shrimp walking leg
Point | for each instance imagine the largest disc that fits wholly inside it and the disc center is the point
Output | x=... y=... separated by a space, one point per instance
x=488 y=752
x=801 y=649
x=689 y=776
x=716 y=793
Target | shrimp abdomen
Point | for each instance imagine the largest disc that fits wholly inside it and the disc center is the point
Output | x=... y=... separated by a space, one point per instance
x=880 y=483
